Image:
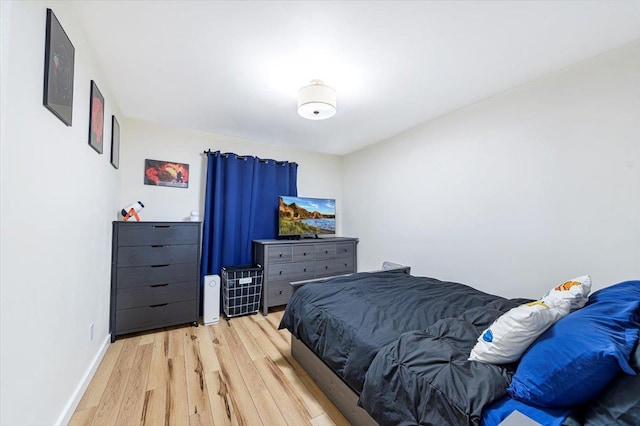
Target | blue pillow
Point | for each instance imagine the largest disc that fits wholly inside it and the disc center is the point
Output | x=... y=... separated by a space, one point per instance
x=576 y=358
x=619 y=403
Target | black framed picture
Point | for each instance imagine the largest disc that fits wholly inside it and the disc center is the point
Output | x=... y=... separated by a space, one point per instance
x=96 y=118
x=115 y=142
x=59 y=56
x=166 y=173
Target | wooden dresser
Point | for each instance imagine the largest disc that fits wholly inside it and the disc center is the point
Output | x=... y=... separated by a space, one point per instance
x=155 y=271
x=293 y=260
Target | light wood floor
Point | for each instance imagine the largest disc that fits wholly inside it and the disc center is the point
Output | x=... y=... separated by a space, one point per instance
x=237 y=372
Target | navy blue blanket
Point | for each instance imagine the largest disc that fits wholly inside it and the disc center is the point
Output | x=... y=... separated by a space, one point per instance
x=348 y=320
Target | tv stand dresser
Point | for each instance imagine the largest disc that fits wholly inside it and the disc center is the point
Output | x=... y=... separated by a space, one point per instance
x=294 y=260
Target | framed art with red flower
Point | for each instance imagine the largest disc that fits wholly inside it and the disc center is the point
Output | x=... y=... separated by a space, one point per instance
x=96 y=119
x=166 y=173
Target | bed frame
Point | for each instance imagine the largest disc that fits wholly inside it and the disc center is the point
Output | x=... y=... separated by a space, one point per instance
x=331 y=384
x=343 y=397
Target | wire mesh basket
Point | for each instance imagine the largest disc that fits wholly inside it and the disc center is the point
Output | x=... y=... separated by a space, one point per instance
x=241 y=289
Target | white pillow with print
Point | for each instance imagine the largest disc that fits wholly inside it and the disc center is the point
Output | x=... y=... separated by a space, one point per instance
x=576 y=291
x=511 y=334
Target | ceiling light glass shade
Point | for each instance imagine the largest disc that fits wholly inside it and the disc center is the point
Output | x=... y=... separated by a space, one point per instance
x=317 y=101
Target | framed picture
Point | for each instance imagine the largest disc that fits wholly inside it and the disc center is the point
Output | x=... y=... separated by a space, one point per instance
x=59 y=56
x=165 y=173
x=96 y=118
x=115 y=142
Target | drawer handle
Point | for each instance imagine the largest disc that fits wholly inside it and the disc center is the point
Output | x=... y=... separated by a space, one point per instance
x=160 y=245
x=326 y=267
x=304 y=254
x=162 y=226
x=280 y=292
x=305 y=270
x=159 y=266
x=280 y=272
x=326 y=252
x=280 y=255
x=156 y=306
x=158 y=285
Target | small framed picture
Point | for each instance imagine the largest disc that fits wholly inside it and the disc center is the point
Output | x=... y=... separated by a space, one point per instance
x=96 y=118
x=59 y=56
x=115 y=142
x=165 y=173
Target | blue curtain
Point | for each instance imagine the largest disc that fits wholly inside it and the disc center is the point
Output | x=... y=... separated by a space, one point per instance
x=241 y=205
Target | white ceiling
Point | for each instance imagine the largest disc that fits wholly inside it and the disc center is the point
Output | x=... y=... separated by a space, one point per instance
x=234 y=67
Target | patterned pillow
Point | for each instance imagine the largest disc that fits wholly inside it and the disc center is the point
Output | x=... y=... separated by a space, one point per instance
x=576 y=291
x=511 y=334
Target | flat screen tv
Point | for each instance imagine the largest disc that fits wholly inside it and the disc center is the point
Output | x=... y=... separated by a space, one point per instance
x=306 y=217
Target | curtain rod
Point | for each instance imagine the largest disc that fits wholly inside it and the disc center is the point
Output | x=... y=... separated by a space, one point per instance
x=246 y=157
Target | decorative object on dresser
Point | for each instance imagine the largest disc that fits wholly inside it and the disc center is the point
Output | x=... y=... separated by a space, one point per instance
x=132 y=210
x=293 y=260
x=154 y=275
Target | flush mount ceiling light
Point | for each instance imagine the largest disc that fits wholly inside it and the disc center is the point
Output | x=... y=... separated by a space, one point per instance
x=316 y=101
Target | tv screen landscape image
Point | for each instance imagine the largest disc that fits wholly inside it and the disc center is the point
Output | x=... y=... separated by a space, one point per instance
x=306 y=216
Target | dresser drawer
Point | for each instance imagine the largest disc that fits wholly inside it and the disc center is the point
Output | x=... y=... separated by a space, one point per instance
x=279 y=293
x=325 y=251
x=155 y=295
x=304 y=252
x=330 y=267
x=280 y=254
x=157 y=255
x=141 y=276
x=287 y=261
x=155 y=275
x=291 y=270
x=142 y=234
x=345 y=249
x=128 y=320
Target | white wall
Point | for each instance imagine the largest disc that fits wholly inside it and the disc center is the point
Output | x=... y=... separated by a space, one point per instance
x=319 y=175
x=57 y=199
x=514 y=194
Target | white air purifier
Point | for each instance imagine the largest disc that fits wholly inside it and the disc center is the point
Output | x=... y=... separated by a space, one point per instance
x=211 y=299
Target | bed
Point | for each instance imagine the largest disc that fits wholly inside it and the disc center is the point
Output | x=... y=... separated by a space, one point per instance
x=391 y=348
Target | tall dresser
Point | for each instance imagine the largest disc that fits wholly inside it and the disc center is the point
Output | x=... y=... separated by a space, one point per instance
x=294 y=260
x=155 y=271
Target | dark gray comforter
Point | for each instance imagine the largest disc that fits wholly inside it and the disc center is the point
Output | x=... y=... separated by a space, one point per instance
x=402 y=343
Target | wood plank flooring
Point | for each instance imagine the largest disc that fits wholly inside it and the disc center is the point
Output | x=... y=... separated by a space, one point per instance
x=237 y=372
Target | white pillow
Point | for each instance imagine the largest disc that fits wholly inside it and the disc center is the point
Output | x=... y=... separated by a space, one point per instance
x=511 y=334
x=576 y=291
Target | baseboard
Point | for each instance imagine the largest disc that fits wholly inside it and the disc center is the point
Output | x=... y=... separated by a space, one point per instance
x=71 y=406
